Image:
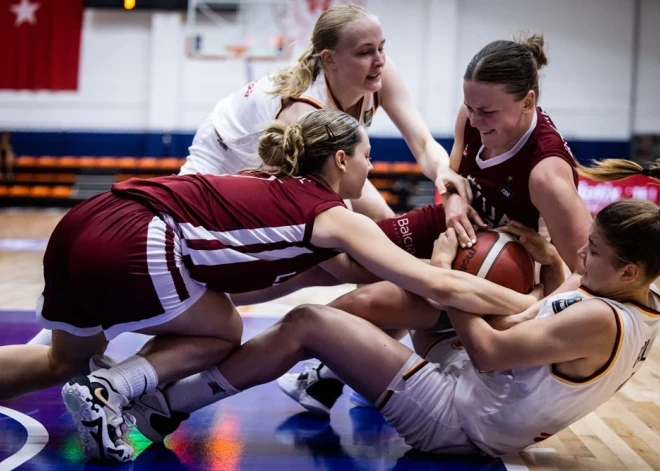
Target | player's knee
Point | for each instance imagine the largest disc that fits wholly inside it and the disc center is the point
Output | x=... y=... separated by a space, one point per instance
x=303 y=317
x=366 y=299
x=235 y=328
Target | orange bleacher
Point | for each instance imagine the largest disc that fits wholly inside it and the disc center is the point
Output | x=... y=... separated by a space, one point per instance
x=51 y=179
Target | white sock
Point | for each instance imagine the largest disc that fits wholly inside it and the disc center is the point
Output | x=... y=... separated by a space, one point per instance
x=194 y=392
x=132 y=377
x=44 y=337
x=326 y=373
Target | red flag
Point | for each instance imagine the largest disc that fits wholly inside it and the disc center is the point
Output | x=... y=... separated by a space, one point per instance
x=40 y=44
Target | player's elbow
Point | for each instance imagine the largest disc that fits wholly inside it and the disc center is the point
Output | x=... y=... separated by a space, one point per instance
x=483 y=354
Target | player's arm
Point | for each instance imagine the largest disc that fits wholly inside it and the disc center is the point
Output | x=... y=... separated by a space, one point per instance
x=585 y=330
x=459 y=214
x=431 y=156
x=294 y=111
x=456 y=154
x=553 y=193
x=315 y=276
x=358 y=236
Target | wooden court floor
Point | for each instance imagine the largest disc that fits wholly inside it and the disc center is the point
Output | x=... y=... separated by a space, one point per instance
x=622 y=434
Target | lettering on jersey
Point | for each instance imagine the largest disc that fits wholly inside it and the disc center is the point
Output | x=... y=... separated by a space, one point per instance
x=220 y=141
x=642 y=354
x=488 y=212
x=406 y=235
x=457 y=345
x=283 y=278
x=561 y=304
x=546 y=118
x=250 y=89
x=367 y=117
x=507 y=190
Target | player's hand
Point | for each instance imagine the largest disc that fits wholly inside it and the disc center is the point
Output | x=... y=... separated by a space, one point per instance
x=460 y=216
x=447 y=180
x=539 y=249
x=444 y=249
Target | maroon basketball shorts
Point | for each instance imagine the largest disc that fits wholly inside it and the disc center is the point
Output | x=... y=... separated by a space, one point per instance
x=113 y=266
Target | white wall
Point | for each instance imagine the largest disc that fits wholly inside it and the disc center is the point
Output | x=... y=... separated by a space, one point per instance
x=586 y=88
x=647 y=115
x=135 y=76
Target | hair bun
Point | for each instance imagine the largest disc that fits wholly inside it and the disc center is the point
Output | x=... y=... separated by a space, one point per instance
x=281 y=146
x=535 y=43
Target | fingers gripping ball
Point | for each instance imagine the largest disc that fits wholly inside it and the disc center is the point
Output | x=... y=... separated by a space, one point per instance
x=499 y=258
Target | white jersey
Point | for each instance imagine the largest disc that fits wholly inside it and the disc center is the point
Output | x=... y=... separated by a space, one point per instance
x=239 y=119
x=503 y=412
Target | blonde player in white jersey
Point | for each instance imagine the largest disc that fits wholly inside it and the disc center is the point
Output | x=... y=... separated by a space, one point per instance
x=503 y=389
x=344 y=68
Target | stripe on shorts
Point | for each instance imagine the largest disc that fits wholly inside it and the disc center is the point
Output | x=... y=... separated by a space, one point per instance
x=159 y=266
x=172 y=267
x=409 y=374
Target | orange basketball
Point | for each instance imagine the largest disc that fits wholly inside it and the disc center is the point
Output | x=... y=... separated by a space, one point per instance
x=499 y=258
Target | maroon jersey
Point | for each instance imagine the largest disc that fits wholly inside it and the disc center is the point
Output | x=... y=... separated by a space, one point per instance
x=239 y=232
x=501 y=184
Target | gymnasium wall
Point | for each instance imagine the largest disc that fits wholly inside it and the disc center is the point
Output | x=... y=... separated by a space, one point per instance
x=140 y=95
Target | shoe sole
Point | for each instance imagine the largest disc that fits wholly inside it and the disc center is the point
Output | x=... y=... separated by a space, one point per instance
x=309 y=403
x=92 y=424
x=142 y=421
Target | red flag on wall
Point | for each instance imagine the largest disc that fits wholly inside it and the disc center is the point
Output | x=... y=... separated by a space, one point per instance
x=40 y=44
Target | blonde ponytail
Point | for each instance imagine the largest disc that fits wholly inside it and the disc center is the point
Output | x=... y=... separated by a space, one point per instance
x=292 y=81
x=616 y=169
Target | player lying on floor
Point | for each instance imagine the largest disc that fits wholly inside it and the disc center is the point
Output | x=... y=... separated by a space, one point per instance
x=157 y=256
x=579 y=348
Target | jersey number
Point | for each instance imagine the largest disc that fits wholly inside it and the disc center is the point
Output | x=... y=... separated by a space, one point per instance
x=642 y=353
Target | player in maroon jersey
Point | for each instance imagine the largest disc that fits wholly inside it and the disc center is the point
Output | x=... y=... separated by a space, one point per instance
x=517 y=162
x=158 y=257
x=509 y=149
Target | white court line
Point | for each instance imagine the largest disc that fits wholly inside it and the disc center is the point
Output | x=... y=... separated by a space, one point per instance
x=516 y=463
x=37 y=437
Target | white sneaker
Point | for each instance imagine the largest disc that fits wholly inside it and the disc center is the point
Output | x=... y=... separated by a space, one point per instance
x=315 y=394
x=96 y=408
x=153 y=417
x=100 y=362
x=358 y=400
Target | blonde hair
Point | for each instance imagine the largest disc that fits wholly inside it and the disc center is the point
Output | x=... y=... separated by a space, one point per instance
x=303 y=148
x=514 y=64
x=631 y=227
x=292 y=81
x=615 y=169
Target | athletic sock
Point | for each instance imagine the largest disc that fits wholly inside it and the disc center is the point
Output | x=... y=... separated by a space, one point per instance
x=132 y=377
x=200 y=390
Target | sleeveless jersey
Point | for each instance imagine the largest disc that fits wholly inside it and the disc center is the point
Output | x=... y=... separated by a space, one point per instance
x=503 y=412
x=240 y=118
x=501 y=184
x=239 y=232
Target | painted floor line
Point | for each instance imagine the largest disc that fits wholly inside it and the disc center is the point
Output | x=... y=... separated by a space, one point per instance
x=37 y=438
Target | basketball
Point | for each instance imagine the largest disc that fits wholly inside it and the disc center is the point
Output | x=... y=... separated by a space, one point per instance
x=499 y=258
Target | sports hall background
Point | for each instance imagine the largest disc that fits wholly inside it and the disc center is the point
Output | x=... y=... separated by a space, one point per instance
x=142 y=92
x=127 y=100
